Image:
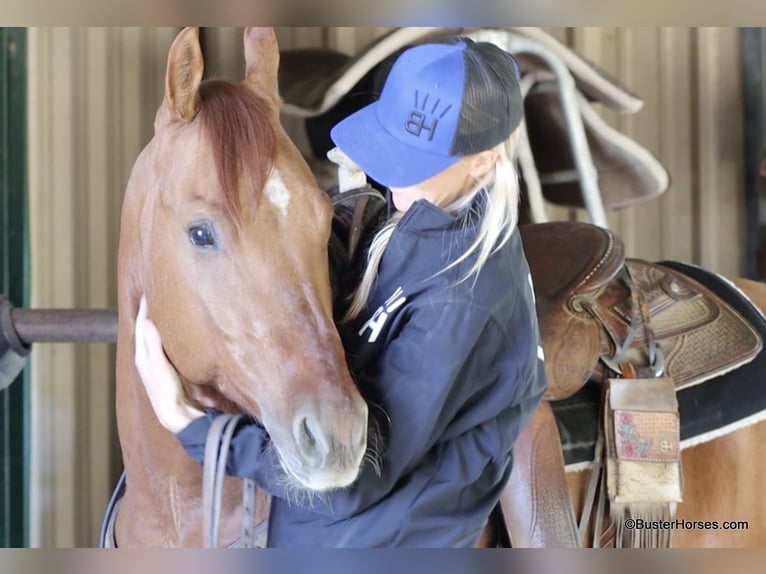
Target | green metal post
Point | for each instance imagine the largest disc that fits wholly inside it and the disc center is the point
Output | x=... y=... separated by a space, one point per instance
x=14 y=284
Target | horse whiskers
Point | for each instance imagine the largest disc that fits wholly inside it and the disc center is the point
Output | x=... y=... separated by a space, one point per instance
x=375 y=445
x=294 y=492
x=293 y=488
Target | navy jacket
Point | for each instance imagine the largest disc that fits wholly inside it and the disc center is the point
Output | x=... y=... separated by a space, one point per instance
x=458 y=369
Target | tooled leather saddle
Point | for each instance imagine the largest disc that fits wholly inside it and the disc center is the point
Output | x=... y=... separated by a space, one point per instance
x=600 y=314
x=598 y=309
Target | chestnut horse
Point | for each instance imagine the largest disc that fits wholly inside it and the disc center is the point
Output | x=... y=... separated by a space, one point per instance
x=722 y=479
x=225 y=231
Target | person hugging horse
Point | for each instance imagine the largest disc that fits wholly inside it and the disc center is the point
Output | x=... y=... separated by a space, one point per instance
x=441 y=331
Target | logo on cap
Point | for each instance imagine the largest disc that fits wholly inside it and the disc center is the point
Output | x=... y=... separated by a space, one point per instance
x=420 y=122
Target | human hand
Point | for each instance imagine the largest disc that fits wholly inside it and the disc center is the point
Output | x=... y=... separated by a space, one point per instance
x=160 y=379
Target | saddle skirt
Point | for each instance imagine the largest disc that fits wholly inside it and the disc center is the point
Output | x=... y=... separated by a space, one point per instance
x=700 y=335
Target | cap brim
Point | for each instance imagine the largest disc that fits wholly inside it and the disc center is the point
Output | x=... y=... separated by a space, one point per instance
x=382 y=156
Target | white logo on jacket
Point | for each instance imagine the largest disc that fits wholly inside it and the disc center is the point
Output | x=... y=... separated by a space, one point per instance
x=381 y=314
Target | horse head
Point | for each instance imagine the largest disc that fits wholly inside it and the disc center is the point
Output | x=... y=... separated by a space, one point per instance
x=230 y=248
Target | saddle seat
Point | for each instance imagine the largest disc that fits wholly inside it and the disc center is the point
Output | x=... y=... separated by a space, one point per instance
x=569 y=261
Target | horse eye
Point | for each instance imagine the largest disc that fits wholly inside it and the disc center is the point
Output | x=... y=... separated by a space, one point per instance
x=202 y=235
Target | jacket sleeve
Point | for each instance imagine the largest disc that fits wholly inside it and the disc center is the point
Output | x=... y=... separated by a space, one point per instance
x=427 y=374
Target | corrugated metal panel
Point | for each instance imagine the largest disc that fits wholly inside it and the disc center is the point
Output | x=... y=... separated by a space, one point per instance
x=676 y=137
x=754 y=106
x=92 y=97
x=692 y=121
x=720 y=155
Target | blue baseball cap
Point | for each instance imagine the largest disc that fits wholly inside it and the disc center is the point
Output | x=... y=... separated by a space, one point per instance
x=440 y=102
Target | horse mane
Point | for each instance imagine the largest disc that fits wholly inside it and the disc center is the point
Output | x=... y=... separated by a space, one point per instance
x=242 y=139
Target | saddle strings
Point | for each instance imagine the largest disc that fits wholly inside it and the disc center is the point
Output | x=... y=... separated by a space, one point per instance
x=638 y=300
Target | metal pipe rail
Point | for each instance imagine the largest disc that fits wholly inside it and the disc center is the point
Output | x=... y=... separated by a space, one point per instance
x=65 y=325
x=20 y=328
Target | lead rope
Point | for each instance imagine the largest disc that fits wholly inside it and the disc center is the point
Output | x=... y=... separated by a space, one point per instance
x=106 y=537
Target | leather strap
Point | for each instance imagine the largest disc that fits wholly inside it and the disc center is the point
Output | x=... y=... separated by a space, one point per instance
x=360 y=199
x=213 y=470
x=247 y=536
x=593 y=485
x=217 y=445
x=355 y=233
x=256 y=508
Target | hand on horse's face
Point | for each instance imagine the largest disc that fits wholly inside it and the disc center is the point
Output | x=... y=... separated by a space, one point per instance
x=162 y=383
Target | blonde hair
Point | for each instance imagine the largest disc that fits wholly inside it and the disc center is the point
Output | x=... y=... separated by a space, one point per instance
x=498 y=221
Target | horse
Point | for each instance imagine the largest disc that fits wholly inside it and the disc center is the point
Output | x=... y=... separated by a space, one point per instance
x=225 y=231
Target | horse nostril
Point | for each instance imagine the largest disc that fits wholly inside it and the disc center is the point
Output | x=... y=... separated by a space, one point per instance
x=310 y=441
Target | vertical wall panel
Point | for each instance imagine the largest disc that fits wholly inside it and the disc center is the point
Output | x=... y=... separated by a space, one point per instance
x=14 y=283
x=692 y=121
x=646 y=230
x=54 y=454
x=676 y=143
x=224 y=55
x=720 y=134
x=92 y=98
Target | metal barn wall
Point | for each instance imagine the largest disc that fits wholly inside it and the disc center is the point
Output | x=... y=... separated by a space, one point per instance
x=92 y=98
x=692 y=121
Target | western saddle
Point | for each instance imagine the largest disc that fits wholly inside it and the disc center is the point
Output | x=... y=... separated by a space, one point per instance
x=602 y=315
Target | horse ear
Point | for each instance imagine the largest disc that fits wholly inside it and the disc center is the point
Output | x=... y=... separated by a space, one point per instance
x=183 y=75
x=262 y=61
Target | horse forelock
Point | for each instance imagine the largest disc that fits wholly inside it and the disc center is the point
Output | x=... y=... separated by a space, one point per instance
x=242 y=140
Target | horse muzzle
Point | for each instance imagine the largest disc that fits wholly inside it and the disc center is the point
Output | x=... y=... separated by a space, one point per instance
x=326 y=453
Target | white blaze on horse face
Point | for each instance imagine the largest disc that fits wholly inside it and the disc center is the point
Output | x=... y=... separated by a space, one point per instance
x=277 y=192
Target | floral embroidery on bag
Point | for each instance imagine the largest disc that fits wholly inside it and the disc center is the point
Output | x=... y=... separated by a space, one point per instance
x=630 y=444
